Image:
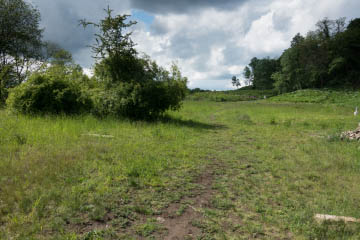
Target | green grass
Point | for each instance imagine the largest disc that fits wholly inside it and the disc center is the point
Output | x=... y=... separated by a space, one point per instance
x=231 y=96
x=345 y=98
x=281 y=164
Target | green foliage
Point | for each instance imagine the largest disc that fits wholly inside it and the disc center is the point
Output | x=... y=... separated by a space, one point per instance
x=131 y=86
x=235 y=82
x=56 y=55
x=260 y=73
x=345 y=98
x=327 y=57
x=20 y=42
x=248 y=75
x=242 y=94
x=6 y=74
x=345 y=67
x=138 y=101
x=57 y=89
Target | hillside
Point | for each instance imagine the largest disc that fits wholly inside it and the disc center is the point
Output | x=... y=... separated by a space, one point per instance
x=345 y=98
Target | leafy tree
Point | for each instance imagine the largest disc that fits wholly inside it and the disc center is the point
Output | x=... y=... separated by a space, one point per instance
x=326 y=57
x=345 y=66
x=248 y=75
x=235 y=82
x=115 y=50
x=56 y=55
x=20 y=42
x=260 y=71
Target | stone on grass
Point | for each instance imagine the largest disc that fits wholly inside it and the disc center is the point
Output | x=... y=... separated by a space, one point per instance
x=351 y=135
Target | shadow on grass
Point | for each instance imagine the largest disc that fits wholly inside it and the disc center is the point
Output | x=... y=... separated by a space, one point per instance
x=191 y=123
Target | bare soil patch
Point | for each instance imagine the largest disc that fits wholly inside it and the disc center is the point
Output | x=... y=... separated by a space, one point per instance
x=179 y=223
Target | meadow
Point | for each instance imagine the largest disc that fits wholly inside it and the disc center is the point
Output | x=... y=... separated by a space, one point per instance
x=232 y=95
x=213 y=170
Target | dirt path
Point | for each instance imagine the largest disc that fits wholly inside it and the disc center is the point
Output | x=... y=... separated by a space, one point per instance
x=180 y=224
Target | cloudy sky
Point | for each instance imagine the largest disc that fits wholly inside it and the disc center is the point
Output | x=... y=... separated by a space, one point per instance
x=211 y=40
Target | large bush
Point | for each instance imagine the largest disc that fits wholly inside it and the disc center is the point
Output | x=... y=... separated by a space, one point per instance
x=56 y=90
x=147 y=99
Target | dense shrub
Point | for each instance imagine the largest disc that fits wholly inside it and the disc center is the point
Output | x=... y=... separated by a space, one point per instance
x=56 y=90
x=147 y=99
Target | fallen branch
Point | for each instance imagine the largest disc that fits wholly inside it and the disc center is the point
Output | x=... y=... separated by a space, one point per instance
x=98 y=135
x=324 y=217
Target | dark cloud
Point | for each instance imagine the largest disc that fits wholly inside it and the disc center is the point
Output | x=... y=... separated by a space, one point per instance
x=61 y=25
x=181 y=6
x=60 y=19
x=158 y=28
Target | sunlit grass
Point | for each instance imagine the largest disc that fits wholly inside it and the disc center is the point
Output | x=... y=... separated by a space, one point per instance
x=282 y=164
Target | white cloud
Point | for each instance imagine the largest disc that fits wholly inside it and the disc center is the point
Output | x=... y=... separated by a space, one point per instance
x=211 y=45
x=210 y=42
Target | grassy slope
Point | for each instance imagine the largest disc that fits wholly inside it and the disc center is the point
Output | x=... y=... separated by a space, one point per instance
x=231 y=96
x=345 y=98
x=277 y=169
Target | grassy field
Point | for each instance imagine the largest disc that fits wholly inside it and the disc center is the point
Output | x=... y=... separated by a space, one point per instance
x=232 y=95
x=214 y=170
x=344 y=98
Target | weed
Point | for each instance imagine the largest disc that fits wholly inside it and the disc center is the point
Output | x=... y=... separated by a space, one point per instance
x=273 y=121
x=181 y=210
x=288 y=122
x=145 y=230
x=20 y=139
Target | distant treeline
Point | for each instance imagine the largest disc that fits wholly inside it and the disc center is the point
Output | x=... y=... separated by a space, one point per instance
x=328 y=57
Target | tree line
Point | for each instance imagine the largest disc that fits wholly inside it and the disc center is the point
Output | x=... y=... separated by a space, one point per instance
x=38 y=77
x=327 y=57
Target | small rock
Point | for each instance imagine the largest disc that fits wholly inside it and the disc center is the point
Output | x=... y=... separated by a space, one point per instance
x=351 y=135
x=160 y=219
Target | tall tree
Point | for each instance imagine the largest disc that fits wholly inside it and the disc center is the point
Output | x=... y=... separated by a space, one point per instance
x=235 y=82
x=345 y=66
x=131 y=86
x=247 y=75
x=115 y=50
x=260 y=71
x=20 y=41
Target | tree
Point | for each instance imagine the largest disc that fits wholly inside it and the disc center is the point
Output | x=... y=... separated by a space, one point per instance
x=133 y=86
x=235 y=82
x=55 y=54
x=260 y=71
x=345 y=66
x=326 y=57
x=20 y=42
x=247 y=75
x=115 y=50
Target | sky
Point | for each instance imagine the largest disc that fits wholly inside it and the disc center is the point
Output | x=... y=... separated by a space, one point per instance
x=210 y=40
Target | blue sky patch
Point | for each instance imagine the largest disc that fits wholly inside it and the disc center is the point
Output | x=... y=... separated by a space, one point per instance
x=142 y=16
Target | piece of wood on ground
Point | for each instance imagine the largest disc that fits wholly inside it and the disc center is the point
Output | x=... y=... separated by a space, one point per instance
x=324 y=217
x=98 y=135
